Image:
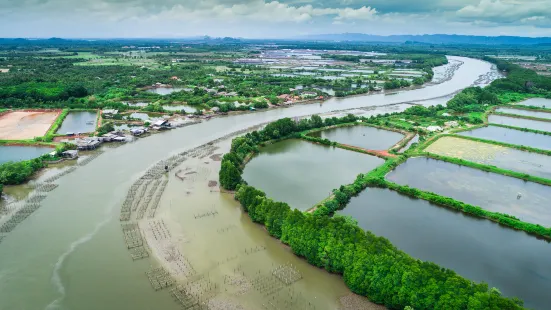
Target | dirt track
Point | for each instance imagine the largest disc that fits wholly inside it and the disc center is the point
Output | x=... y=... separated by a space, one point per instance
x=26 y=125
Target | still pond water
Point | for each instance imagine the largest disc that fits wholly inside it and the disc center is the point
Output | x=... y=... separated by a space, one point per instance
x=494 y=155
x=524 y=112
x=164 y=91
x=537 y=102
x=511 y=136
x=302 y=173
x=362 y=136
x=490 y=191
x=520 y=122
x=76 y=122
x=480 y=250
x=17 y=153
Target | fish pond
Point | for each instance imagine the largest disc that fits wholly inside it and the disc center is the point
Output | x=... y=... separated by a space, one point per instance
x=522 y=112
x=537 y=102
x=361 y=136
x=179 y=108
x=520 y=122
x=302 y=173
x=493 y=155
x=528 y=201
x=511 y=136
x=144 y=116
x=18 y=153
x=480 y=250
x=163 y=91
x=75 y=122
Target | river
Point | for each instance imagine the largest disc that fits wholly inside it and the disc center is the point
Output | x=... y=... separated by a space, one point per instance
x=70 y=253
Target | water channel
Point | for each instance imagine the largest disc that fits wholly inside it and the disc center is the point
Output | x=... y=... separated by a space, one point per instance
x=302 y=174
x=490 y=191
x=477 y=249
x=70 y=254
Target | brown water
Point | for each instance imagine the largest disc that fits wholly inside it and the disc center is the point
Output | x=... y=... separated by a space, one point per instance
x=70 y=253
x=361 y=136
x=302 y=174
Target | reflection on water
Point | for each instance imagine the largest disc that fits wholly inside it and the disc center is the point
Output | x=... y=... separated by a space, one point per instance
x=520 y=122
x=165 y=91
x=18 y=153
x=511 y=136
x=495 y=155
x=524 y=112
x=302 y=173
x=537 y=102
x=479 y=250
x=362 y=136
x=490 y=191
x=76 y=122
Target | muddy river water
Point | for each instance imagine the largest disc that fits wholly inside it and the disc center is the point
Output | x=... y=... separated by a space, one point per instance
x=71 y=252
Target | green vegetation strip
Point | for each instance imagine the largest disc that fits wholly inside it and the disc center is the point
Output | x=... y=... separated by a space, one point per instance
x=547 y=133
x=55 y=126
x=503 y=219
x=539 y=119
x=526 y=108
x=488 y=168
x=514 y=146
x=371 y=266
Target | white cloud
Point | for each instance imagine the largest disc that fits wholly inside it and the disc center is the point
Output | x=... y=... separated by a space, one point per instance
x=506 y=11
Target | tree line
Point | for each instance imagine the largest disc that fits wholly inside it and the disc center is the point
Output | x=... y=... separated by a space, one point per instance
x=371 y=265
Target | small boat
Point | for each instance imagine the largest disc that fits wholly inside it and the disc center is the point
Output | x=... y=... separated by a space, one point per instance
x=90 y=123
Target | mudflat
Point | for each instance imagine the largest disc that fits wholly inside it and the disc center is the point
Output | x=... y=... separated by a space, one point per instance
x=26 y=125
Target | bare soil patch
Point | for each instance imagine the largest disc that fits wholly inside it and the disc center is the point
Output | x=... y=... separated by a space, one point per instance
x=22 y=125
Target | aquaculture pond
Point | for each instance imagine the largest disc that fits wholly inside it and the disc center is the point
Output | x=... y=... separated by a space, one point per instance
x=136 y=104
x=480 y=250
x=179 y=108
x=164 y=90
x=302 y=174
x=18 y=153
x=144 y=116
x=76 y=122
x=522 y=112
x=494 y=155
x=537 y=102
x=520 y=122
x=528 y=201
x=511 y=136
x=361 y=136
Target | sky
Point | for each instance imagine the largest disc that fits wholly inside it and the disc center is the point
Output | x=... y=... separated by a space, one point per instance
x=270 y=19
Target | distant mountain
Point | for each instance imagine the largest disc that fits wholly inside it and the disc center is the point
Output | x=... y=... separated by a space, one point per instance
x=428 y=39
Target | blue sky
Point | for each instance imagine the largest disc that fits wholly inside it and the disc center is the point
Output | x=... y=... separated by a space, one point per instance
x=270 y=19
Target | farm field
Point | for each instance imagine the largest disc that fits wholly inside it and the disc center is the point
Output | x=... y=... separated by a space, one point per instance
x=495 y=155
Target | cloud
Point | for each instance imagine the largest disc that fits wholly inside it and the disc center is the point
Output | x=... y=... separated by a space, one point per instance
x=507 y=11
x=274 y=18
